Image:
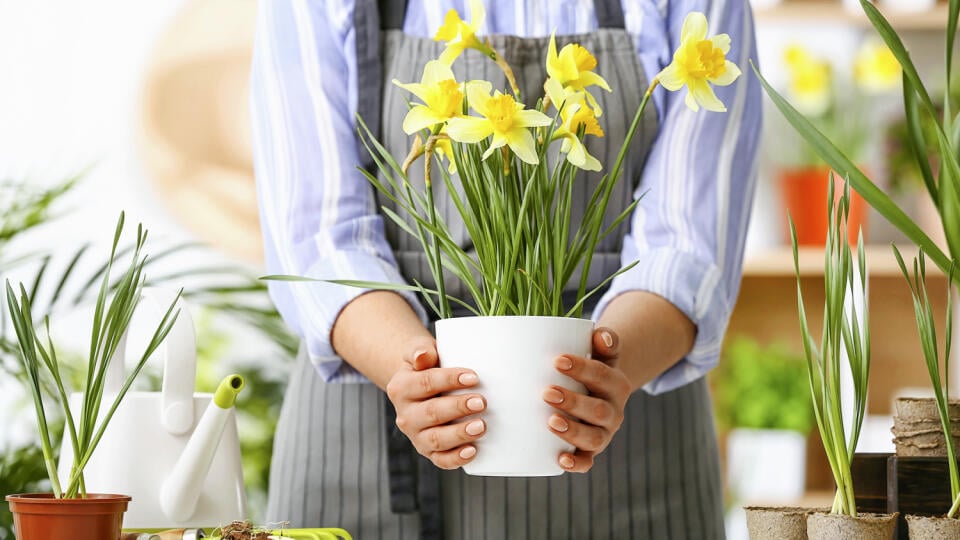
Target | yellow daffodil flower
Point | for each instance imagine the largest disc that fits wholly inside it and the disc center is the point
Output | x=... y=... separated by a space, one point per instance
x=461 y=35
x=503 y=118
x=573 y=68
x=574 y=114
x=443 y=147
x=811 y=83
x=877 y=70
x=698 y=62
x=441 y=94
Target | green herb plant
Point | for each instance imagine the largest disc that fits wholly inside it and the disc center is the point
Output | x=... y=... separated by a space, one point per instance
x=114 y=309
x=761 y=387
x=927 y=328
x=845 y=331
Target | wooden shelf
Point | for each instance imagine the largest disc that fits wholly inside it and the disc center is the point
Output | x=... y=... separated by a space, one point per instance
x=835 y=12
x=778 y=262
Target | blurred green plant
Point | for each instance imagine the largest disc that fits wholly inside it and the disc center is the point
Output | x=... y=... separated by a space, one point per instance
x=228 y=293
x=761 y=387
x=902 y=160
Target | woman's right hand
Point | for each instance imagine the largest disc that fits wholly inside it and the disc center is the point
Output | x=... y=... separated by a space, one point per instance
x=425 y=415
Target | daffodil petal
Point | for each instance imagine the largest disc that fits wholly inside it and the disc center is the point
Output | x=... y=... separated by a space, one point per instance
x=451 y=53
x=722 y=42
x=420 y=117
x=552 y=60
x=416 y=89
x=478 y=14
x=554 y=91
x=498 y=141
x=589 y=78
x=469 y=129
x=450 y=27
x=592 y=101
x=730 y=74
x=521 y=142
x=530 y=117
x=436 y=71
x=478 y=94
x=694 y=27
x=671 y=78
x=567 y=65
x=691 y=102
x=703 y=94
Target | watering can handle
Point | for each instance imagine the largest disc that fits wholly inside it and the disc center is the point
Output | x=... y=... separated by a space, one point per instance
x=179 y=354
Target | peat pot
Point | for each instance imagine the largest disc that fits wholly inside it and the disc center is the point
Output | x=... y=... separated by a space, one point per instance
x=824 y=526
x=777 y=523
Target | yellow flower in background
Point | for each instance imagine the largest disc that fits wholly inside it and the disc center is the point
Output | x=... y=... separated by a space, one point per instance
x=503 y=118
x=811 y=81
x=698 y=62
x=441 y=94
x=573 y=68
x=461 y=35
x=876 y=69
x=574 y=115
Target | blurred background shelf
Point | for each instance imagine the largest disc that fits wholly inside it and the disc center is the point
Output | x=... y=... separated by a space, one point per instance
x=834 y=12
x=778 y=262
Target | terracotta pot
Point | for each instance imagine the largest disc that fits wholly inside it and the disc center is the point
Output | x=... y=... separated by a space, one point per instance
x=39 y=516
x=917 y=429
x=932 y=528
x=823 y=526
x=804 y=192
x=777 y=523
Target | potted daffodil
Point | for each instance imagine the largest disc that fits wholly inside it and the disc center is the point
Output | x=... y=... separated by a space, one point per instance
x=509 y=164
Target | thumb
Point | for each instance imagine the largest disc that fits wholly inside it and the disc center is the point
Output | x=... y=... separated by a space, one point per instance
x=606 y=344
x=423 y=354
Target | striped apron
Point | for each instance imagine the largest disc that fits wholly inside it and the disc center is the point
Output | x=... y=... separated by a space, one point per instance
x=338 y=459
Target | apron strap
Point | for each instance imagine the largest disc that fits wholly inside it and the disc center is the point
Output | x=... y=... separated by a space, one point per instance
x=392 y=14
x=366 y=21
x=609 y=14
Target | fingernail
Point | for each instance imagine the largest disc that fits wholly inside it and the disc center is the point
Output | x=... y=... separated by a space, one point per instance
x=468 y=452
x=552 y=395
x=475 y=427
x=418 y=356
x=566 y=462
x=475 y=404
x=467 y=379
x=564 y=363
x=558 y=423
x=607 y=338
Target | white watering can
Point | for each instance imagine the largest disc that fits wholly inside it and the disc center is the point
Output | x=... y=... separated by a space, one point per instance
x=175 y=452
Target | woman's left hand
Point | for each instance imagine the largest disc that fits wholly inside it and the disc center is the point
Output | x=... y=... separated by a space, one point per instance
x=589 y=421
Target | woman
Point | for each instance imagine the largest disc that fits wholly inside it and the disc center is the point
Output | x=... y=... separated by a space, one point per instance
x=646 y=449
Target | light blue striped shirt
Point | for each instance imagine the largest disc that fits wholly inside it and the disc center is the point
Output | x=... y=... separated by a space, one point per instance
x=318 y=213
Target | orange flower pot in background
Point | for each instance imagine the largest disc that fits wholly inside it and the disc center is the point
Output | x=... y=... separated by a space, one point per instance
x=804 y=191
x=39 y=516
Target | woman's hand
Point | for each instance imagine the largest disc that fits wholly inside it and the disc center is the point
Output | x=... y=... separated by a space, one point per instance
x=424 y=415
x=589 y=421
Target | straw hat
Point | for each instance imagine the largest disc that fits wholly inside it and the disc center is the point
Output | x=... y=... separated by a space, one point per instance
x=195 y=139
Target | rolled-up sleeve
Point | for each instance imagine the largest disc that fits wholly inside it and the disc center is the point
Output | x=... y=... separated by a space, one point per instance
x=317 y=211
x=689 y=228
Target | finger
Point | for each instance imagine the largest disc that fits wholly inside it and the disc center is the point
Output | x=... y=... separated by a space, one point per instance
x=443 y=438
x=606 y=344
x=441 y=410
x=580 y=462
x=421 y=385
x=589 y=409
x=583 y=436
x=453 y=459
x=599 y=378
x=423 y=354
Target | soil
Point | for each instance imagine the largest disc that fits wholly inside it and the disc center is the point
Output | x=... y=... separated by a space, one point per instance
x=242 y=530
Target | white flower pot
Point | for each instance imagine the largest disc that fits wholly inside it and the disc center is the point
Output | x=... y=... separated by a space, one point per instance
x=766 y=465
x=514 y=360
